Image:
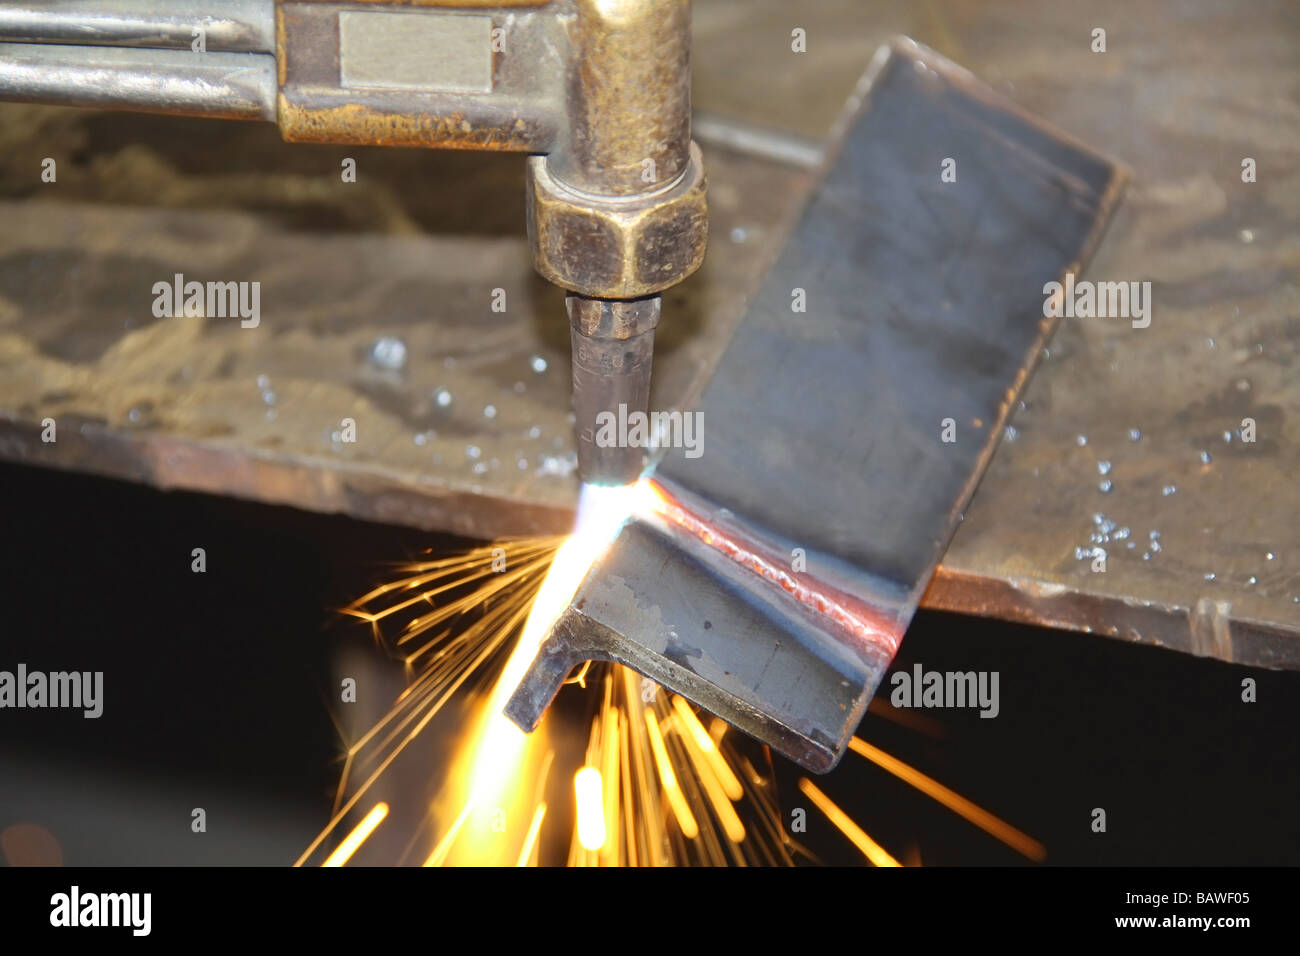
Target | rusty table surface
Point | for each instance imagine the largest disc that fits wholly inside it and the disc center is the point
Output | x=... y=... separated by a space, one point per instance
x=1129 y=440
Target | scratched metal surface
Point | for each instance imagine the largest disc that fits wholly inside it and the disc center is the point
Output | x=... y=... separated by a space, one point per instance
x=415 y=247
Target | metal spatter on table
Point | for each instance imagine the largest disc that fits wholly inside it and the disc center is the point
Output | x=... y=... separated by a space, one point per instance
x=848 y=423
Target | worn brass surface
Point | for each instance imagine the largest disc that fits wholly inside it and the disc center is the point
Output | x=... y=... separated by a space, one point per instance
x=618 y=249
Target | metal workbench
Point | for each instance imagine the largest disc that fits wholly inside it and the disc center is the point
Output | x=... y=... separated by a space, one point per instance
x=376 y=305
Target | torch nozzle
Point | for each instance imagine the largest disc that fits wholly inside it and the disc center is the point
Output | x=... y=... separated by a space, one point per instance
x=613 y=345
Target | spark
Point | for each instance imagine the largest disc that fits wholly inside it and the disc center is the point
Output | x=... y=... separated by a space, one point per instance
x=656 y=786
x=501 y=746
x=872 y=850
x=1018 y=841
x=625 y=758
x=926 y=726
x=472 y=605
x=708 y=777
x=717 y=764
x=591 y=808
x=685 y=819
x=530 y=840
x=610 y=778
x=360 y=833
x=602 y=512
x=439 y=854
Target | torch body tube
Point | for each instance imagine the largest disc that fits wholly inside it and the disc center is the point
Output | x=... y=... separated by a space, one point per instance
x=227 y=26
x=216 y=85
x=183 y=57
x=613 y=348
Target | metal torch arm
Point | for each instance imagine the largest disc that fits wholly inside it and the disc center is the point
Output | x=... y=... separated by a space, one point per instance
x=142 y=55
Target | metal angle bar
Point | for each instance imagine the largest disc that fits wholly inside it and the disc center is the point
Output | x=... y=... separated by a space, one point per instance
x=774 y=576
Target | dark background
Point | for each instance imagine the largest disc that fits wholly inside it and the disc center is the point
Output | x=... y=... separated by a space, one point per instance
x=215 y=696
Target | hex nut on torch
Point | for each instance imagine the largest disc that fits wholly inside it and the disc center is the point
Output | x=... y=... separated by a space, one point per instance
x=617 y=248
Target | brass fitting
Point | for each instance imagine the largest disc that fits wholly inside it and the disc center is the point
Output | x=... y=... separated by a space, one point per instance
x=617 y=248
x=618 y=208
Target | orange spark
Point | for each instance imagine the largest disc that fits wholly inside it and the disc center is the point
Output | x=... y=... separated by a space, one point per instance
x=439 y=854
x=691 y=723
x=360 y=833
x=685 y=819
x=591 y=809
x=1001 y=830
x=530 y=841
x=872 y=850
